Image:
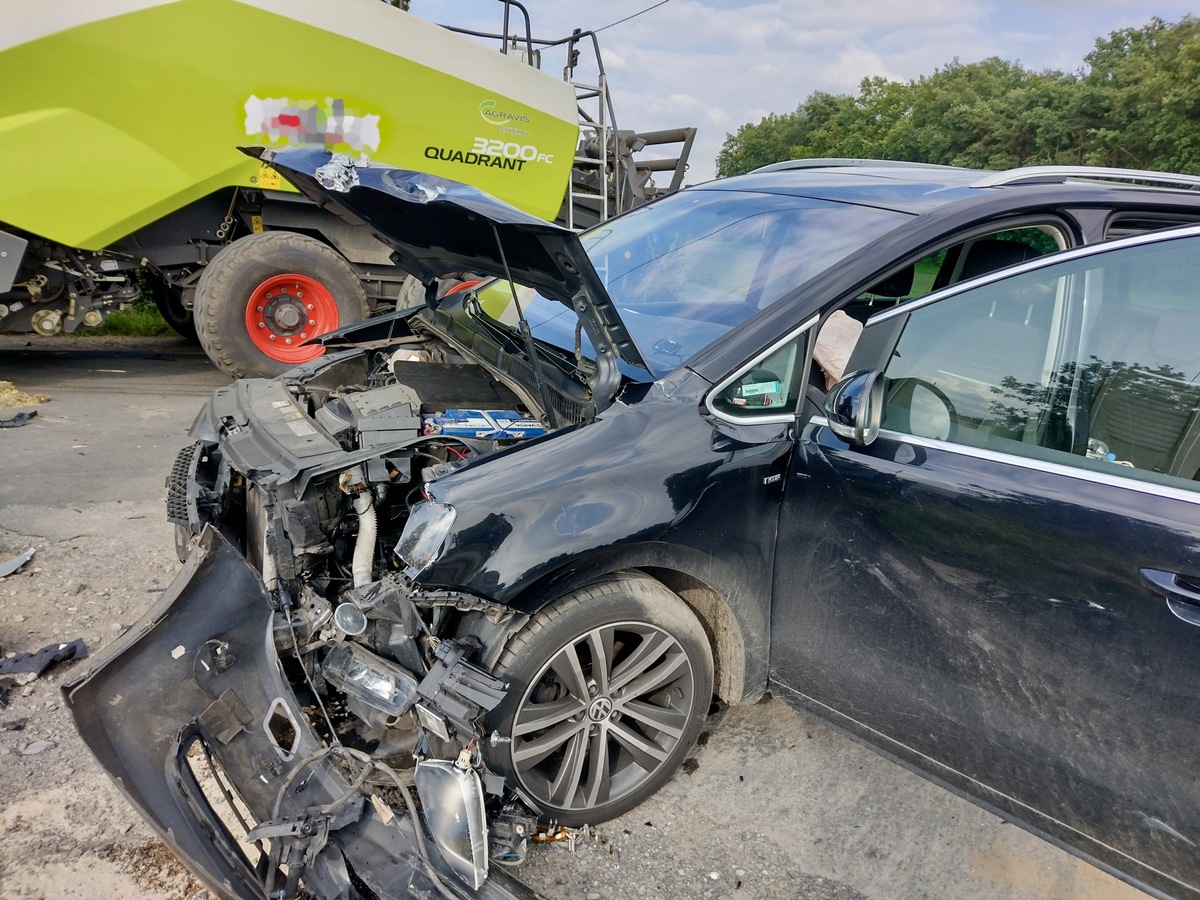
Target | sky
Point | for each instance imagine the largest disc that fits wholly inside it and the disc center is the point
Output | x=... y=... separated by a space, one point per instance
x=718 y=64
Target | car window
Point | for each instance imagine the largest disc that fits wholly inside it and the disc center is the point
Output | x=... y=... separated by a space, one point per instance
x=960 y=261
x=1094 y=362
x=1125 y=224
x=771 y=387
x=685 y=270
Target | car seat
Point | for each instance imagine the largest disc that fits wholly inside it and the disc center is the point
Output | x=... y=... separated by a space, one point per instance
x=1147 y=409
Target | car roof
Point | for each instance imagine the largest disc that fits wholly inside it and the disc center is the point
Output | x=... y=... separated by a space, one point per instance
x=917 y=188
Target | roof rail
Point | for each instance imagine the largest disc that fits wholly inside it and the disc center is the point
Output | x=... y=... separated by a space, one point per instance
x=1062 y=174
x=791 y=165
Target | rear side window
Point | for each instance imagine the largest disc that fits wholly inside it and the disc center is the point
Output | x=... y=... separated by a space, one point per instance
x=1127 y=224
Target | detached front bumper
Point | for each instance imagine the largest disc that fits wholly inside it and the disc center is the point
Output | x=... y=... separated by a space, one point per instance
x=193 y=695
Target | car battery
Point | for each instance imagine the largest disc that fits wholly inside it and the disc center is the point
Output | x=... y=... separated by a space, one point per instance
x=492 y=424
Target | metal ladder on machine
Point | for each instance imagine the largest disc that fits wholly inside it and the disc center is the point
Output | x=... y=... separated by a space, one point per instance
x=606 y=180
x=588 y=195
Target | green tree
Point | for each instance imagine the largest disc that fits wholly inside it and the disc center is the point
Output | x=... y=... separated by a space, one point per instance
x=1135 y=103
x=989 y=114
x=803 y=133
x=1141 y=106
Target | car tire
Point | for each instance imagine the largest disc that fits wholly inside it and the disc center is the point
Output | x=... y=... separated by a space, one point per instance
x=264 y=295
x=586 y=759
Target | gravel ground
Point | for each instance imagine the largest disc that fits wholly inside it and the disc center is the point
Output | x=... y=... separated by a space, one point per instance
x=772 y=804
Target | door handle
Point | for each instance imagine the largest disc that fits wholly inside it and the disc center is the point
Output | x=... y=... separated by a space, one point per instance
x=1183 y=602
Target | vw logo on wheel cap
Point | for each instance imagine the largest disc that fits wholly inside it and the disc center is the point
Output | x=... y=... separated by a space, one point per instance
x=600 y=709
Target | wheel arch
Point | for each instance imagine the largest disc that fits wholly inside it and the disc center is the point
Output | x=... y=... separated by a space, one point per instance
x=726 y=637
x=357 y=245
x=737 y=626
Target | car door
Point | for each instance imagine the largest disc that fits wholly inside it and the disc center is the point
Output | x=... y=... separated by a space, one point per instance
x=1003 y=588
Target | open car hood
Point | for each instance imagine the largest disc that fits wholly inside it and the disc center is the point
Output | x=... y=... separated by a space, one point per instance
x=436 y=226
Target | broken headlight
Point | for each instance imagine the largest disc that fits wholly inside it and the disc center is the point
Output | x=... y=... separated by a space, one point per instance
x=424 y=535
x=371 y=679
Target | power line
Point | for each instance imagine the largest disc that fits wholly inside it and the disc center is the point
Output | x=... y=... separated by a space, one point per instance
x=627 y=18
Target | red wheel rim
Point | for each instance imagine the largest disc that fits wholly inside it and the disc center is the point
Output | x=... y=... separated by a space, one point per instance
x=285 y=311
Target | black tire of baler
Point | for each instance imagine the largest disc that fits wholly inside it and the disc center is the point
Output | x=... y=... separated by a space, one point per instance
x=233 y=274
x=169 y=300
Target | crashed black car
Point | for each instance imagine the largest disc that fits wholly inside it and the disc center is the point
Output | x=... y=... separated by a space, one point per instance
x=509 y=545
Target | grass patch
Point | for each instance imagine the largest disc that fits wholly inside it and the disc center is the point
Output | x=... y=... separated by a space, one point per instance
x=140 y=319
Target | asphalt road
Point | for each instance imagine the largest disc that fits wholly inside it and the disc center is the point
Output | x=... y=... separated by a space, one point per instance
x=773 y=804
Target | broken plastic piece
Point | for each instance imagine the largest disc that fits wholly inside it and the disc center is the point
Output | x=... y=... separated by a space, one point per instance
x=460 y=692
x=11 y=565
x=340 y=173
x=39 y=662
x=452 y=799
x=19 y=419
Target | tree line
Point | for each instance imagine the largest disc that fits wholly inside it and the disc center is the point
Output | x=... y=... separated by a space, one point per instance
x=1135 y=103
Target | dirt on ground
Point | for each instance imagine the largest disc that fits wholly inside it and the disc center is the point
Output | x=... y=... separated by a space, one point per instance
x=67 y=830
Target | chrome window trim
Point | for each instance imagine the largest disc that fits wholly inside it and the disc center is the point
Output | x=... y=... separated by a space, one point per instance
x=1036 y=465
x=777 y=419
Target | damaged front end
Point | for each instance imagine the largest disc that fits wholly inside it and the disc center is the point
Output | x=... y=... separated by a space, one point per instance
x=194 y=714
x=274 y=713
x=269 y=715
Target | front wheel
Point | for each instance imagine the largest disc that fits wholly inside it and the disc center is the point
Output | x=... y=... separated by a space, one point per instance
x=261 y=298
x=608 y=690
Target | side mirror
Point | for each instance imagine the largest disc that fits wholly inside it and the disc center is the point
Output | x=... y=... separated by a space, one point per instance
x=854 y=407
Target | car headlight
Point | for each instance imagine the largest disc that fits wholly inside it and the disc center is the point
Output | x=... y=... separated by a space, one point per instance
x=375 y=681
x=424 y=534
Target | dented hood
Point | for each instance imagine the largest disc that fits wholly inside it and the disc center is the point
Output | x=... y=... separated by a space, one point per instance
x=436 y=226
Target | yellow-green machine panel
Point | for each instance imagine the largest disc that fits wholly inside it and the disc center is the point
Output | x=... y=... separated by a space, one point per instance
x=115 y=113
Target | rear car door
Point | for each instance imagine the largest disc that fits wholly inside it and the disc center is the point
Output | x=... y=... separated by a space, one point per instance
x=1004 y=587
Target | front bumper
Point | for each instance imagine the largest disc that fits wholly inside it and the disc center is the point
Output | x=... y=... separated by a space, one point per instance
x=193 y=694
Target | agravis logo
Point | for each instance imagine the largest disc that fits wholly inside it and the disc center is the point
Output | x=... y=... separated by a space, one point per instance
x=488 y=110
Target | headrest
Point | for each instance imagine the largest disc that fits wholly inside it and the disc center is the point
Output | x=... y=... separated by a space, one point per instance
x=898 y=284
x=990 y=254
x=1175 y=336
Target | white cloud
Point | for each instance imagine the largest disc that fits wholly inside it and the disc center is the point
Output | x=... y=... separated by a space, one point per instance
x=719 y=64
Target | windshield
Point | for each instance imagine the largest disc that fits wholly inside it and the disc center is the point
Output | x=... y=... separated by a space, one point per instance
x=686 y=269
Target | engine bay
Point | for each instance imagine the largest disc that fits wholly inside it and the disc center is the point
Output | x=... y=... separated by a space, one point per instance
x=315 y=485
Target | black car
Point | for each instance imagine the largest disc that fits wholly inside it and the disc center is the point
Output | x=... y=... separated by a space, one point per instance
x=792 y=431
